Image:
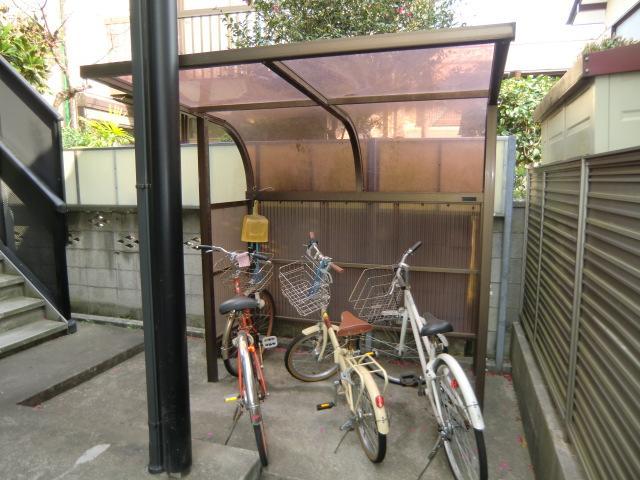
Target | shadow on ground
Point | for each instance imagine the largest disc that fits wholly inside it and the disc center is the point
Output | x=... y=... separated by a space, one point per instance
x=46 y=441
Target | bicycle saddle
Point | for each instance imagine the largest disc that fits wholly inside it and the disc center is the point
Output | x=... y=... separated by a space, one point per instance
x=434 y=326
x=238 y=303
x=352 y=325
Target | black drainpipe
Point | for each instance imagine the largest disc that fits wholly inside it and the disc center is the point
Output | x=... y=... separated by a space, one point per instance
x=154 y=45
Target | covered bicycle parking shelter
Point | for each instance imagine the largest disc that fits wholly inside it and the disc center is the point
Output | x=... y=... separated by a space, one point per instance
x=372 y=142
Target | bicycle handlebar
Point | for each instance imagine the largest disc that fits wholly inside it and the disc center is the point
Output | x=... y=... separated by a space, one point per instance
x=414 y=247
x=402 y=269
x=231 y=254
x=260 y=256
x=314 y=251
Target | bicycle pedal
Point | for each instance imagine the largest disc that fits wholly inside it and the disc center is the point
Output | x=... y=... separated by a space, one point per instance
x=325 y=406
x=269 y=342
x=231 y=398
x=410 y=380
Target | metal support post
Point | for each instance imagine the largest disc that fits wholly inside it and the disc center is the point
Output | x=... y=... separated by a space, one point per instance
x=506 y=253
x=480 y=359
x=577 y=289
x=206 y=235
x=543 y=195
x=155 y=92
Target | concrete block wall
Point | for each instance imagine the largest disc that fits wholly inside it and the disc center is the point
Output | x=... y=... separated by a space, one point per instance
x=103 y=265
x=515 y=275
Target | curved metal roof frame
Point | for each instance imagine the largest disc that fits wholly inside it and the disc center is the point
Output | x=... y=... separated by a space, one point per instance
x=273 y=57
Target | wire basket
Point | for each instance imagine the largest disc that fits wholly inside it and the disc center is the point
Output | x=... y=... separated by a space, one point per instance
x=305 y=285
x=374 y=297
x=250 y=279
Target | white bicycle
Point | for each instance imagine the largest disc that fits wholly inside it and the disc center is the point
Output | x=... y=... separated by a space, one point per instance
x=383 y=297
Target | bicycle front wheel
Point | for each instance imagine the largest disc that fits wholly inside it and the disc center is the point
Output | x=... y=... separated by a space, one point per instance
x=303 y=361
x=464 y=445
x=372 y=441
x=229 y=351
x=262 y=318
x=261 y=324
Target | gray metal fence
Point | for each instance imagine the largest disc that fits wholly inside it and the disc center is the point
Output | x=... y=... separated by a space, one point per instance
x=581 y=303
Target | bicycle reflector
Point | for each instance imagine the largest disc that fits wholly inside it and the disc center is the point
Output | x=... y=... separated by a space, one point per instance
x=454 y=384
x=379 y=401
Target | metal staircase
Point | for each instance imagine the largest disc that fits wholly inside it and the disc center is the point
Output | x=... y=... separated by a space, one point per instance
x=34 y=289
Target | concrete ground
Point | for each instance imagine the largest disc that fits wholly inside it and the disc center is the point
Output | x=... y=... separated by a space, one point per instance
x=98 y=430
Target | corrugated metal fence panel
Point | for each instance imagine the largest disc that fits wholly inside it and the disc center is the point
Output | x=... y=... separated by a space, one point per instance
x=532 y=257
x=378 y=233
x=606 y=413
x=552 y=330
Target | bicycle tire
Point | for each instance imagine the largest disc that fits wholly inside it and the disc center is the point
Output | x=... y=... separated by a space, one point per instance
x=371 y=440
x=252 y=404
x=465 y=447
x=384 y=341
x=299 y=358
x=262 y=320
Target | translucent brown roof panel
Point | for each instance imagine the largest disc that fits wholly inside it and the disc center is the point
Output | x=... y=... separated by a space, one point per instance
x=427 y=70
x=417 y=102
x=295 y=149
x=232 y=85
x=431 y=146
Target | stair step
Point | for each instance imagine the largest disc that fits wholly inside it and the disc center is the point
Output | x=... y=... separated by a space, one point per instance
x=11 y=286
x=15 y=305
x=8 y=280
x=18 y=311
x=18 y=338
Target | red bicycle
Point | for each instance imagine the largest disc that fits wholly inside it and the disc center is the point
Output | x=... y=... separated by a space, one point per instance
x=243 y=343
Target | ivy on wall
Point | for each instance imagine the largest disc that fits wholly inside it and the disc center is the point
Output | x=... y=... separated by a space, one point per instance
x=519 y=97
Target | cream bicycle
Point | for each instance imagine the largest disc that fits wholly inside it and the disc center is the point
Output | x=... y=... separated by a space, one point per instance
x=321 y=350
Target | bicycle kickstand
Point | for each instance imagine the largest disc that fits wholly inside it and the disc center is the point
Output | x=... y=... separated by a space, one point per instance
x=432 y=453
x=346 y=428
x=236 y=416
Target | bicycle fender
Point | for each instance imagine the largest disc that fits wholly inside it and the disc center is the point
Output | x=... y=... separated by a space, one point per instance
x=468 y=394
x=314 y=329
x=310 y=330
x=382 y=419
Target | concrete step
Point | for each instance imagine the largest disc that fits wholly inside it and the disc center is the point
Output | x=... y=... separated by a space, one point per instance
x=11 y=286
x=18 y=311
x=37 y=374
x=17 y=338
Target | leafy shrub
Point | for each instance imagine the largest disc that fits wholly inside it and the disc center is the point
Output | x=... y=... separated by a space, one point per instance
x=607 y=44
x=519 y=97
x=23 y=44
x=95 y=133
x=286 y=21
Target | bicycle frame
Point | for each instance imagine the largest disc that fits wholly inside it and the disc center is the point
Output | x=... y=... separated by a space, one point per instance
x=428 y=363
x=347 y=363
x=246 y=327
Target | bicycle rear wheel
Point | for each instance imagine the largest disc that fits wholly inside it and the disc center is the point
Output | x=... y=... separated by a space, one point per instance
x=464 y=445
x=303 y=361
x=372 y=441
x=252 y=402
x=384 y=340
